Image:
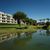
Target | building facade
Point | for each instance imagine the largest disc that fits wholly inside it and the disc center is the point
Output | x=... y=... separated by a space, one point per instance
x=7 y=18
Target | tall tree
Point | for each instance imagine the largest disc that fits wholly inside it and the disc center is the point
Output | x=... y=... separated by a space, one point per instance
x=19 y=16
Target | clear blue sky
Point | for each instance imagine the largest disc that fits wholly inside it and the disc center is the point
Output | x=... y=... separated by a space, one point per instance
x=35 y=9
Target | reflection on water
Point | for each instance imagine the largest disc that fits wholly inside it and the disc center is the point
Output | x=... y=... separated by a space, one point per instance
x=44 y=32
x=39 y=40
x=24 y=35
x=48 y=32
x=18 y=43
x=18 y=35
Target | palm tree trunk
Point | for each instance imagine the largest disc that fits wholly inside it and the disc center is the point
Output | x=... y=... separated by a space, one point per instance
x=18 y=20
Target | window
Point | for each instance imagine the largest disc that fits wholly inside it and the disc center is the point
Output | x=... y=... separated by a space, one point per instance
x=8 y=21
x=3 y=20
x=3 y=15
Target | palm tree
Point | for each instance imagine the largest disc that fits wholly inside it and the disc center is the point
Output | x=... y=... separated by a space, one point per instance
x=43 y=20
x=40 y=20
x=48 y=19
x=27 y=20
x=47 y=23
x=19 y=16
x=31 y=21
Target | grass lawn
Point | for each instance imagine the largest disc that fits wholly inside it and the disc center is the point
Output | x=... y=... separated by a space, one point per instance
x=8 y=25
x=14 y=30
x=49 y=27
x=40 y=27
x=11 y=28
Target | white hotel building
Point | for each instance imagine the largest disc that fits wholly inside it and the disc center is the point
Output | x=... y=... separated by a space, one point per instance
x=7 y=18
